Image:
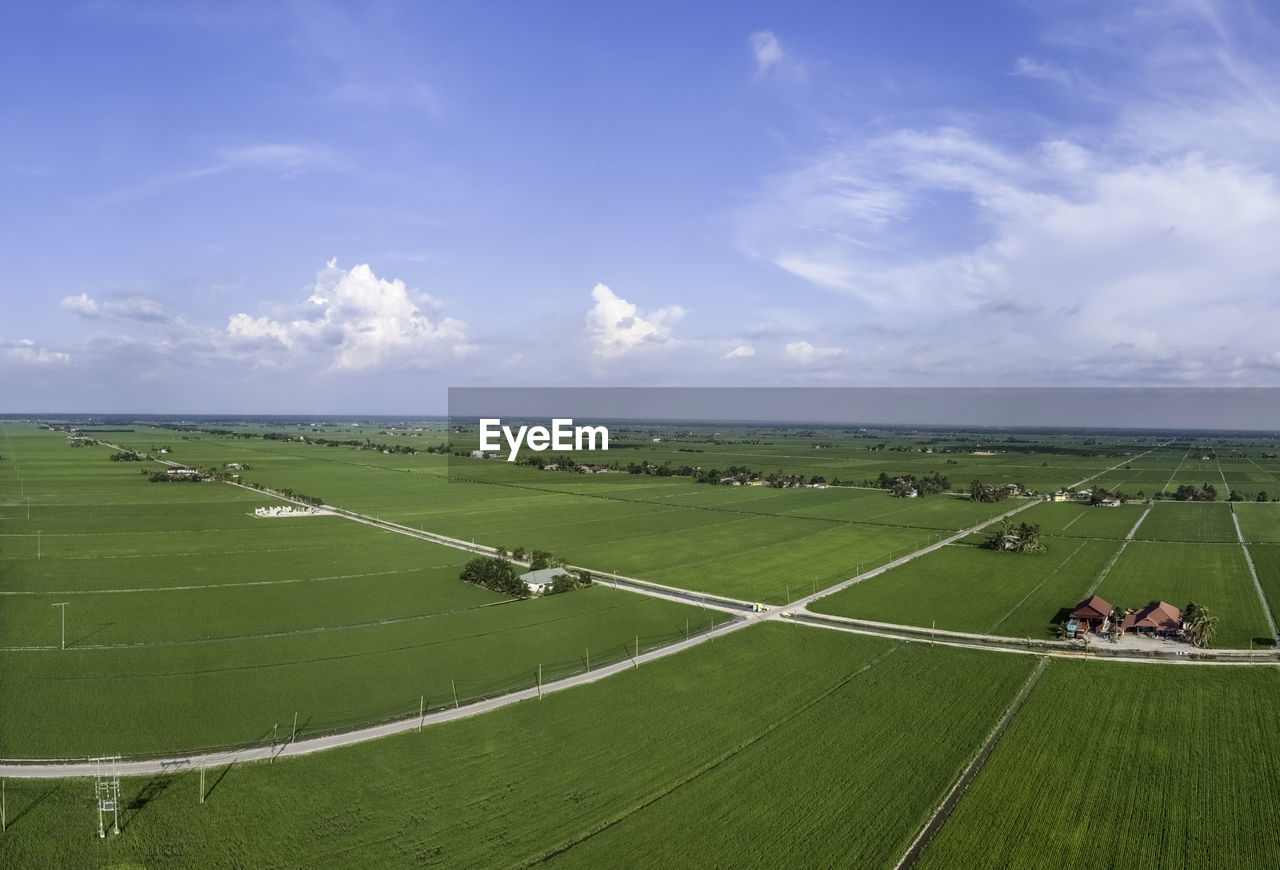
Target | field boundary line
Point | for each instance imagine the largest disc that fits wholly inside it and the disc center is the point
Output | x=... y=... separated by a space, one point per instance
x=706 y=767
x=1106 y=569
x=1257 y=584
x=944 y=809
x=1176 y=469
x=1035 y=588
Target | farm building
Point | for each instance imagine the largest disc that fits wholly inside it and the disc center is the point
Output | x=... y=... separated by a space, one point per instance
x=1060 y=495
x=1089 y=615
x=1158 y=617
x=538 y=582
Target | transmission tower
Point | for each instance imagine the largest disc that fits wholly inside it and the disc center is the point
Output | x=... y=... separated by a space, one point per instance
x=106 y=788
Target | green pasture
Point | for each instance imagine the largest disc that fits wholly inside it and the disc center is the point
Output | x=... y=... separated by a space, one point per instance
x=968 y=588
x=730 y=753
x=1127 y=765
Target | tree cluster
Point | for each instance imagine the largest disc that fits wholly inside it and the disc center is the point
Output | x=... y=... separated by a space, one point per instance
x=987 y=492
x=1024 y=538
x=493 y=573
x=125 y=456
x=903 y=484
x=1204 y=492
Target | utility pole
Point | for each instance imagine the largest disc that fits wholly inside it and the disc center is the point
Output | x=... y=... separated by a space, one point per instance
x=63 y=605
x=294 y=735
x=202 y=783
x=455 y=694
x=37 y=545
x=4 y=816
x=539 y=681
x=588 y=660
x=422 y=711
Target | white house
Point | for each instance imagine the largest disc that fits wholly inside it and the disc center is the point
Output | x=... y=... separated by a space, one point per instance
x=538 y=582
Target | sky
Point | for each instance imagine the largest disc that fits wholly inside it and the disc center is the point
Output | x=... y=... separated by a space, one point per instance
x=349 y=208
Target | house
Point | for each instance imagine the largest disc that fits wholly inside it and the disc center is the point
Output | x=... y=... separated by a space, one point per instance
x=180 y=472
x=477 y=454
x=1157 y=618
x=1060 y=495
x=538 y=582
x=1111 y=501
x=1091 y=614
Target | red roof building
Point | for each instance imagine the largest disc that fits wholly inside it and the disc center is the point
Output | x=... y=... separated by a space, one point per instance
x=1158 y=617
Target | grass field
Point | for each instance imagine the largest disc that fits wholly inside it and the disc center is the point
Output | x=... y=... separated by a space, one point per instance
x=963 y=587
x=1259 y=523
x=192 y=623
x=1128 y=765
x=792 y=782
x=747 y=542
x=1202 y=522
x=1214 y=576
x=1068 y=519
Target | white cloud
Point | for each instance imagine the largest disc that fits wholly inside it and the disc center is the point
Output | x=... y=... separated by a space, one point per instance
x=135 y=306
x=616 y=327
x=766 y=50
x=1045 y=70
x=356 y=321
x=740 y=352
x=805 y=353
x=81 y=305
x=27 y=352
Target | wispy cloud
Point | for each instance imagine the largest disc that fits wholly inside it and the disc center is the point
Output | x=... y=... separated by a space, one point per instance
x=285 y=159
x=766 y=50
x=1139 y=249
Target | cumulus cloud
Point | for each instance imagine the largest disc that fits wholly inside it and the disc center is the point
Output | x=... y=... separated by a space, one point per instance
x=358 y=321
x=26 y=352
x=766 y=50
x=81 y=305
x=615 y=326
x=741 y=352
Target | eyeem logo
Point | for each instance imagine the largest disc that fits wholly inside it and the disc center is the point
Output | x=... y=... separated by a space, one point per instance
x=540 y=437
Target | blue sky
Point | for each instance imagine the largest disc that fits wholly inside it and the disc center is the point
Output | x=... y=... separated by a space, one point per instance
x=321 y=207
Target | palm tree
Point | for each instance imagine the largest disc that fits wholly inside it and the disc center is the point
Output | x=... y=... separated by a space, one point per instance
x=1199 y=626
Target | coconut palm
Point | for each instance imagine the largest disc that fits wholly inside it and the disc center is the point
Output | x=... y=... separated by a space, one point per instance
x=1199 y=626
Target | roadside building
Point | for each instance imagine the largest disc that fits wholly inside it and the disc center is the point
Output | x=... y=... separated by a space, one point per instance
x=538 y=582
x=1090 y=615
x=1158 y=618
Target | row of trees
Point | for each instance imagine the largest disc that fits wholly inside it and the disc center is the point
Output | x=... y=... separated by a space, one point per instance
x=125 y=456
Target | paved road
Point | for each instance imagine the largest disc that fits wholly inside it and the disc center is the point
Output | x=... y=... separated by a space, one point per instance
x=66 y=767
